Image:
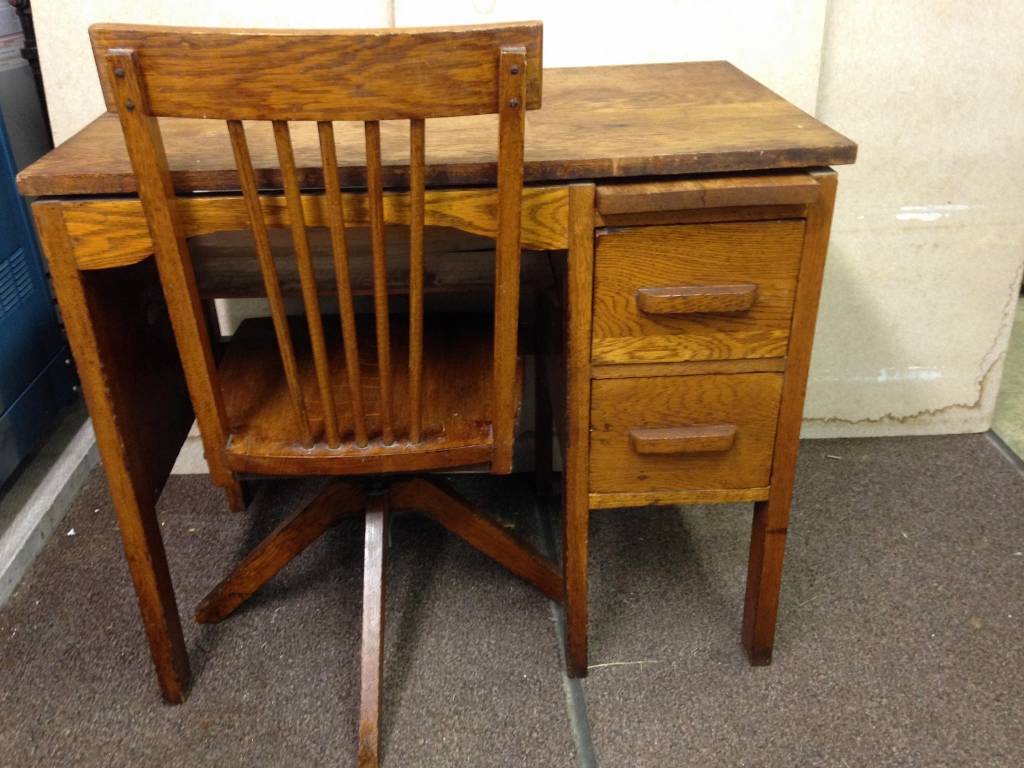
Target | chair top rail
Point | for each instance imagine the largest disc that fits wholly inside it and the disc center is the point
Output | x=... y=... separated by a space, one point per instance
x=379 y=74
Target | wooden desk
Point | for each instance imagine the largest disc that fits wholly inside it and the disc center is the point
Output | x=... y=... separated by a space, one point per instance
x=657 y=181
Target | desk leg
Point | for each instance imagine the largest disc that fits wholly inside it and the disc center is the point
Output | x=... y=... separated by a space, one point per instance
x=576 y=454
x=771 y=517
x=134 y=388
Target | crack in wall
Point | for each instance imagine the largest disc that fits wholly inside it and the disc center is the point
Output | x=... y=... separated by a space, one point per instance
x=993 y=356
x=890 y=418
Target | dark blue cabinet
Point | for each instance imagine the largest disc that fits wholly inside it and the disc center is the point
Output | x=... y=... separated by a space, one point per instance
x=36 y=377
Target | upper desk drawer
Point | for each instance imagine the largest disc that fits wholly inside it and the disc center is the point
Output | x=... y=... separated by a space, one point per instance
x=695 y=291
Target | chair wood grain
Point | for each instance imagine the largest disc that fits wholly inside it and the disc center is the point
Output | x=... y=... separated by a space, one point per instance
x=330 y=395
x=135 y=75
x=323 y=74
x=343 y=279
x=271 y=283
x=142 y=134
x=456 y=413
x=279 y=547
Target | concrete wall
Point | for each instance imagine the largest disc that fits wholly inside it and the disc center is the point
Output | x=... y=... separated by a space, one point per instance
x=69 y=74
x=925 y=260
x=927 y=247
x=777 y=42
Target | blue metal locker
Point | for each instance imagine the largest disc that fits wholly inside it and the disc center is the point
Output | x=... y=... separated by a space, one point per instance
x=36 y=375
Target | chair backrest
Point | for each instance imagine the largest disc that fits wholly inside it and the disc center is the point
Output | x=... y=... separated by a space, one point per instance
x=326 y=76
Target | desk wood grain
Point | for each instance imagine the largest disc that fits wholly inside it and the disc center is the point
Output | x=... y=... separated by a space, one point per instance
x=596 y=123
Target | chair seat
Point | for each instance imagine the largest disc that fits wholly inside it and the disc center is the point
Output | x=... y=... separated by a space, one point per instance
x=456 y=398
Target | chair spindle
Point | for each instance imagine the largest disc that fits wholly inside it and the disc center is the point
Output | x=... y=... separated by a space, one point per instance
x=258 y=225
x=339 y=250
x=417 y=140
x=307 y=279
x=375 y=200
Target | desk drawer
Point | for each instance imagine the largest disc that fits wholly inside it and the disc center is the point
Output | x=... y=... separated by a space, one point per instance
x=695 y=291
x=674 y=433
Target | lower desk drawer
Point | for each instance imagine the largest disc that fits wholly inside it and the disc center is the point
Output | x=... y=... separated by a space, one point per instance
x=677 y=433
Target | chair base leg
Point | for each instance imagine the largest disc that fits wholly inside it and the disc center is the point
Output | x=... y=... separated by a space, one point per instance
x=433 y=499
x=236 y=497
x=279 y=548
x=441 y=503
x=239 y=494
x=372 y=666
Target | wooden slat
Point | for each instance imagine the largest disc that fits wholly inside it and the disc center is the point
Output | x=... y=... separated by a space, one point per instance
x=417 y=161
x=512 y=124
x=691 y=368
x=346 y=305
x=597 y=123
x=113 y=233
x=688 y=496
x=374 y=74
x=374 y=192
x=270 y=282
x=702 y=215
x=300 y=241
x=722 y=192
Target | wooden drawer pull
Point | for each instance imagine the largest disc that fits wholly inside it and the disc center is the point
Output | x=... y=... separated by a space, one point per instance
x=700 y=438
x=689 y=299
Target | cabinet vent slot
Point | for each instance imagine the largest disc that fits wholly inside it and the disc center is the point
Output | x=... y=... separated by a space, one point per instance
x=15 y=282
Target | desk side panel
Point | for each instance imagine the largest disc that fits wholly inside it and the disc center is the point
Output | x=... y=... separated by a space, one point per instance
x=135 y=392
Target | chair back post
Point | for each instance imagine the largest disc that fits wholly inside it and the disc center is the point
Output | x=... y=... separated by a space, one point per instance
x=149 y=163
x=512 y=122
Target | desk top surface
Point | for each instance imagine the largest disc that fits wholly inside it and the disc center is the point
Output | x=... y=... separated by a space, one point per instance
x=596 y=123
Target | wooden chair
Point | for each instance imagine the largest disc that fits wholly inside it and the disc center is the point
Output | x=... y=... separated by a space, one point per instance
x=341 y=396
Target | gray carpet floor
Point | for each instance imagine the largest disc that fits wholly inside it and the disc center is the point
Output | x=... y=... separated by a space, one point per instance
x=899 y=639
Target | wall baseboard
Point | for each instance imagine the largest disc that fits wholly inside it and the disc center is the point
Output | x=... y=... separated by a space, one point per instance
x=38 y=498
